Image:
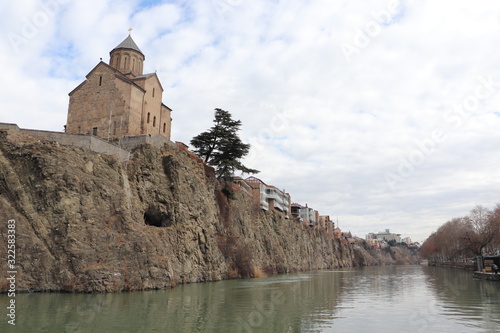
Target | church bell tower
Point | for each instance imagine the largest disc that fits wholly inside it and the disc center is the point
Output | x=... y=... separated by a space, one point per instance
x=127 y=58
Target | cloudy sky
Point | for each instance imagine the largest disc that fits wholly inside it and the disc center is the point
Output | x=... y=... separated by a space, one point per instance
x=382 y=113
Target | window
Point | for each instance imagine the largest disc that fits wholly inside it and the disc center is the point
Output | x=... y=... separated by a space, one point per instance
x=100 y=80
x=164 y=127
x=153 y=92
x=154 y=121
x=149 y=115
x=133 y=64
x=94 y=131
x=125 y=63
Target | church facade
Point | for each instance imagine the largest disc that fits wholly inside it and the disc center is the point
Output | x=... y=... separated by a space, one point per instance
x=118 y=100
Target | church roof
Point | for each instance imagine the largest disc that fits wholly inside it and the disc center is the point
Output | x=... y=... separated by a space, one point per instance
x=143 y=76
x=128 y=43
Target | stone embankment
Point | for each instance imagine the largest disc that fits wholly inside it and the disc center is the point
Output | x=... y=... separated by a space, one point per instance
x=462 y=265
x=87 y=222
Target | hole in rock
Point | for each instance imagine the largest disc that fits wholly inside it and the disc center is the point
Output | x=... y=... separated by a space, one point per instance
x=155 y=217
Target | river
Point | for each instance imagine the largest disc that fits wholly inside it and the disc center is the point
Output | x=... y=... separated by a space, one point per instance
x=369 y=299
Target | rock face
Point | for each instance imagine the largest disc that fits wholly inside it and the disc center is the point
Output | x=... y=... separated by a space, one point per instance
x=88 y=223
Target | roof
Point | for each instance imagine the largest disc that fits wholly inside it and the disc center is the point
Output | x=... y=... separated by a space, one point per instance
x=114 y=70
x=147 y=76
x=144 y=76
x=128 y=43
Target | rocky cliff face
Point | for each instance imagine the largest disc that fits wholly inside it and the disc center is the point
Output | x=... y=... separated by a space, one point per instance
x=87 y=223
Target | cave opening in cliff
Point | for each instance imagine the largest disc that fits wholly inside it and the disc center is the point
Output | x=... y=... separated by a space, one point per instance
x=153 y=216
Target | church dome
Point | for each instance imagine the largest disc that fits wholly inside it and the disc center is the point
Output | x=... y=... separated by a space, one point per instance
x=128 y=43
x=127 y=58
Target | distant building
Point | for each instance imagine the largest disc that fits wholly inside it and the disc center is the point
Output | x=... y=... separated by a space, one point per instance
x=269 y=197
x=245 y=187
x=374 y=243
x=327 y=224
x=118 y=100
x=337 y=233
x=308 y=215
x=407 y=240
x=295 y=212
x=384 y=236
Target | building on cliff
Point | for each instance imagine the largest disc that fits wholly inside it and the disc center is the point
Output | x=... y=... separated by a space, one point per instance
x=118 y=100
x=269 y=197
x=305 y=214
x=385 y=236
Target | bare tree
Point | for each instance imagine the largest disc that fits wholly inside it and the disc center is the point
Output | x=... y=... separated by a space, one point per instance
x=456 y=240
x=479 y=230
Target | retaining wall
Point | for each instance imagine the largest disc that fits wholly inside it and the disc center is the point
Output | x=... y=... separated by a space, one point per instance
x=77 y=140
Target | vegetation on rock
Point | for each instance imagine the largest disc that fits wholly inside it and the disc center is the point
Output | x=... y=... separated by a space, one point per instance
x=221 y=147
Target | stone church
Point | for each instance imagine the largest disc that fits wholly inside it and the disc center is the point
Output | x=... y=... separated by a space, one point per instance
x=118 y=100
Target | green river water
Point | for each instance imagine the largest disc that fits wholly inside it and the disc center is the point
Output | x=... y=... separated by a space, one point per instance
x=370 y=299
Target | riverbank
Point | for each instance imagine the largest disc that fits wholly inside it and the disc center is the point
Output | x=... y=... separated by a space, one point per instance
x=87 y=222
x=486 y=276
x=461 y=265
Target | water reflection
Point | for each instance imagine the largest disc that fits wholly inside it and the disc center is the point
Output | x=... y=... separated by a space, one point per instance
x=389 y=299
x=473 y=303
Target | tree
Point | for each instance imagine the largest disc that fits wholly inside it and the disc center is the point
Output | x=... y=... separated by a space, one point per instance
x=480 y=230
x=460 y=238
x=221 y=146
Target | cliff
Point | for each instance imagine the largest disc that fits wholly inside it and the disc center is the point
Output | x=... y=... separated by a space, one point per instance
x=86 y=222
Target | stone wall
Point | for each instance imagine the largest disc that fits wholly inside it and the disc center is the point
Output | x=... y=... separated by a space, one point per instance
x=77 y=140
x=130 y=142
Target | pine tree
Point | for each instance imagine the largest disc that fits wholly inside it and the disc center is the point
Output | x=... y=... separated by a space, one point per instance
x=221 y=146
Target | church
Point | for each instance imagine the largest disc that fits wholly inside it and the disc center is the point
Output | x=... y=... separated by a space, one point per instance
x=118 y=100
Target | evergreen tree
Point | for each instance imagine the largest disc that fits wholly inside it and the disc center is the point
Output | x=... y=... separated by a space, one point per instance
x=221 y=146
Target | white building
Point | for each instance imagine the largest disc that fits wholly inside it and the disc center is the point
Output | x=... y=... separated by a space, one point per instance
x=269 y=197
x=309 y=215
x=386 y=236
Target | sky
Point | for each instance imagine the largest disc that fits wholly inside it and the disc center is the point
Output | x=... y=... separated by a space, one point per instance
x=382 y=114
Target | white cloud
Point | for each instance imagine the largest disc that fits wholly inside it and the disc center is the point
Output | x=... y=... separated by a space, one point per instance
x=325 y=129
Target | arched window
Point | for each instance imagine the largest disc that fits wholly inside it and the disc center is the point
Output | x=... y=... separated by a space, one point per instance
x=100 y=80
x=125 y=63
x=154 y=121
x=153 y=92
x=149 y=115
x=164 y=127
x=133 y=64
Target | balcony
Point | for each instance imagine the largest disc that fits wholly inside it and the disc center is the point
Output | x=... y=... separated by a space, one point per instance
x=264 y=204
